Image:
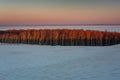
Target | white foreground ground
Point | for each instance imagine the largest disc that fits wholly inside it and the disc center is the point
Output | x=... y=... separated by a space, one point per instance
x=31 y=62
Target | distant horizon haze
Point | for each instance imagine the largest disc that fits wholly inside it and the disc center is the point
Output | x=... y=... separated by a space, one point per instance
x=112 y=28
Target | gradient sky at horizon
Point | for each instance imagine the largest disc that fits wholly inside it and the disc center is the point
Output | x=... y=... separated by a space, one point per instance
x=29 y=12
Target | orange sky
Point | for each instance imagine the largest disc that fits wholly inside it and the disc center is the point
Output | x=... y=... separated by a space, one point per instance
x=59 y=14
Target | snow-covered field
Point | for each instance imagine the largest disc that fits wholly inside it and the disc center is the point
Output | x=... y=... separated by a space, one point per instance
x=101 y=28
x=31 y=62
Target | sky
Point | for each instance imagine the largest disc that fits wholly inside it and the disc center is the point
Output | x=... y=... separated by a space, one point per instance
x=38 y=12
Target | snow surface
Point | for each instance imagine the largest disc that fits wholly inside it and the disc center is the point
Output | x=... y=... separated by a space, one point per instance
x=101 y=28
x=32 y=62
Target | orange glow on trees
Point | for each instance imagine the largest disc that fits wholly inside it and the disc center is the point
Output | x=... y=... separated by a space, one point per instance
x=65 y=37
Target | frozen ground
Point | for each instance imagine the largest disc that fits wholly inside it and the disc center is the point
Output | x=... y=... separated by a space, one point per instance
x=30 y=62
x=101 y=28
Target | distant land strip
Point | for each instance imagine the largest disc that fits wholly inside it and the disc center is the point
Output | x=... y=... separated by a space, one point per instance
x=63 y=37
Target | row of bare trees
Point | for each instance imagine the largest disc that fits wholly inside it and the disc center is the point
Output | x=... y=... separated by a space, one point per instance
x=65 y=37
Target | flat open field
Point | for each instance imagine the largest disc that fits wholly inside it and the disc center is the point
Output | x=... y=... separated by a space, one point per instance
x=31 y=62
